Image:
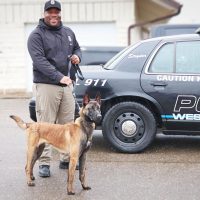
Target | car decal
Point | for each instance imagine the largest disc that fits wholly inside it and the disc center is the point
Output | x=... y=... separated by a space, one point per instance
x=167 y=116
x=178 y=78
x=92 y=82
x=182 y=117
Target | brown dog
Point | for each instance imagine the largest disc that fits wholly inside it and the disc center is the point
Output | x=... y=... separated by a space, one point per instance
x=72 y=138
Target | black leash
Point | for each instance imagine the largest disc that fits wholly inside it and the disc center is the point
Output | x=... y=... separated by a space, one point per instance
x=81 y=77
x=78 y=71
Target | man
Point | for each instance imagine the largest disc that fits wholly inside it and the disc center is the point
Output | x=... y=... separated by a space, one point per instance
x=53 y=48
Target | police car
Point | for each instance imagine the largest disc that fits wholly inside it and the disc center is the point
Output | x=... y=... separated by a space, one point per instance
x=152 y=84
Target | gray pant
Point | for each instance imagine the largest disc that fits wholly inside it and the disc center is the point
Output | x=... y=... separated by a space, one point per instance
x=54 y=104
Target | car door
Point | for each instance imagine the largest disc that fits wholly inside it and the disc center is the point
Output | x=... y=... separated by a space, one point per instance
x=172 y=77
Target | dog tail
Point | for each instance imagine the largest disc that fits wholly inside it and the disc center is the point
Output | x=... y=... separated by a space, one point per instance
x=20 y=122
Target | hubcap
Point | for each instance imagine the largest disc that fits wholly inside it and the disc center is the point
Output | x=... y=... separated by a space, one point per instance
x=129 y=128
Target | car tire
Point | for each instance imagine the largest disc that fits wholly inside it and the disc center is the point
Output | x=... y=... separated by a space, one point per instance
x=129 y=127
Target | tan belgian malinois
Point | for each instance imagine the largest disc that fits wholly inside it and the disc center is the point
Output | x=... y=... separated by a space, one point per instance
x=72 y=138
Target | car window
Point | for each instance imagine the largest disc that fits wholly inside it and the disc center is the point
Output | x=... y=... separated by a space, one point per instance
x=163 y=62
x=132 y=57
x=113 y=62
x=98 y=55
x=188 y=57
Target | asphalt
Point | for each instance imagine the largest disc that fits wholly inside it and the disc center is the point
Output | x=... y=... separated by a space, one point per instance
x=167 y=170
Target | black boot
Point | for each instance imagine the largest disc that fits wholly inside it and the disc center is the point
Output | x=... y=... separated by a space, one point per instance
x=44 y=171
x=65 y=165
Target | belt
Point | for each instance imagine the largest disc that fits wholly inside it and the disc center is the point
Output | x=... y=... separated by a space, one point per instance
x=62 y=85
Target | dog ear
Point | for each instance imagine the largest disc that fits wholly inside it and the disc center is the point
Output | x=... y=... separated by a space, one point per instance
x=86 y=100
x=98 y=98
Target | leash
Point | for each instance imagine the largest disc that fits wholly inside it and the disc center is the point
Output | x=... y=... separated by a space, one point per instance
x=81 y=77
x=78 y=71
x=76 y=102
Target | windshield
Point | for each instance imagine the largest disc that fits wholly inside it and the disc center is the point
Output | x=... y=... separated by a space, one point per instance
x=118 y=57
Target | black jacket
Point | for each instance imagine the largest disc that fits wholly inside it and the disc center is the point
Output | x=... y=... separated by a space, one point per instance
x=50 y=49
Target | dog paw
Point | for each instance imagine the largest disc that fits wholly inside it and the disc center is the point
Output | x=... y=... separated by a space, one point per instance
x=87 y=188
x=31 y=184
x=71 y=193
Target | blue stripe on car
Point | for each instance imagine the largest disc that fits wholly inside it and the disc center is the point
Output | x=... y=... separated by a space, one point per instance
x=167 y=116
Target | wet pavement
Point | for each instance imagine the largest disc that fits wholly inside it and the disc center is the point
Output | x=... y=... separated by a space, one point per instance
x=168 y=170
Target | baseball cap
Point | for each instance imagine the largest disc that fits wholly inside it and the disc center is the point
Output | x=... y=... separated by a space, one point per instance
x=52 y=4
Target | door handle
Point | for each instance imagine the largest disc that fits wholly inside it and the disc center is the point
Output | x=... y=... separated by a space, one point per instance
x=159 y=83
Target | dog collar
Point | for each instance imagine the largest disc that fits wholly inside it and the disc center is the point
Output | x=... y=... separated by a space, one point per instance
x=87 y=119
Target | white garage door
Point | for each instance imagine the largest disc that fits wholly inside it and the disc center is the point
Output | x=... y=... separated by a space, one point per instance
x=87 y=34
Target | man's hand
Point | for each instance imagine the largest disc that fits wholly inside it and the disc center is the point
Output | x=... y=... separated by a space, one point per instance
x=66 y=80
x=75 y=59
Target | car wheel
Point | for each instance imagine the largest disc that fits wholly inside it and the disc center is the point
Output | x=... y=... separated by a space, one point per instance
x=129 y=127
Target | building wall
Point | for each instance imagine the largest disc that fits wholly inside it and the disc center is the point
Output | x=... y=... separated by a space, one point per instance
x=15 y=14
x=189 y=13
